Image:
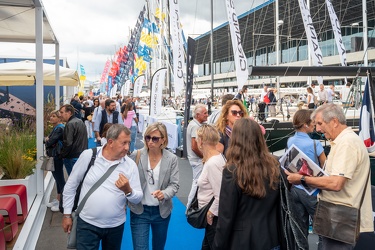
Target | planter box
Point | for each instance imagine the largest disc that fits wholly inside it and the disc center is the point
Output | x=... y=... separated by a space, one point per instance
x=30 y=183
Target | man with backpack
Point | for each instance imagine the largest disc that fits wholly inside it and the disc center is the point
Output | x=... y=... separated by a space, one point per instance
x=103 y=215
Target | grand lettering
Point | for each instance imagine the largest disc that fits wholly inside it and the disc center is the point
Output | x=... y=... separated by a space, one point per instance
x=241 y=55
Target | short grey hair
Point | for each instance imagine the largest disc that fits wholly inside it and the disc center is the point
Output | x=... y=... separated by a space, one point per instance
x=198 y=108
x=330 y=111
x=115 y=130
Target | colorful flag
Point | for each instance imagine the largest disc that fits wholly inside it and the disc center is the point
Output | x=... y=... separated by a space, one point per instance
x=366 y=125
x=83 y=73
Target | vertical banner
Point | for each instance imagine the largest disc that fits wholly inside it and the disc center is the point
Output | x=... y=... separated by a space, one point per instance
x=312 y=37
x=157 y=84
x=238 y=53
x=125 y=88
x=190 y=60
x=109 y=85
x=178 y=49
x=105 y=71
x=336 y=27
x=138 y=83
x=366 y=122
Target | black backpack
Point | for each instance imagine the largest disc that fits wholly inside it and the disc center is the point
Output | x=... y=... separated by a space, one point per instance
x=78 y=191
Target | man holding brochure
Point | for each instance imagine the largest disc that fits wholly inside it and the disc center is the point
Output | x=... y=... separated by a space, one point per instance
x=348 y=167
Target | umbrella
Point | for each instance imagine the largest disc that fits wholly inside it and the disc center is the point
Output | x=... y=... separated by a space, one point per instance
x=23 y=74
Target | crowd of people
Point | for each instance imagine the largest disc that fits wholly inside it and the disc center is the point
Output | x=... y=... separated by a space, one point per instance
x=231 y=164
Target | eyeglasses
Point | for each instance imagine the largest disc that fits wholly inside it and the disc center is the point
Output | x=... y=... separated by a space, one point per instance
x=150 y=173
x=235 y=112
x=154 y=139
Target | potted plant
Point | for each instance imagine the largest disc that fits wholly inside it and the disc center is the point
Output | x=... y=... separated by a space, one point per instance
x=18 y=156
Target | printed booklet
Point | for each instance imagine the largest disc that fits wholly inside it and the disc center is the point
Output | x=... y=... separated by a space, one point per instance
x=295 y=161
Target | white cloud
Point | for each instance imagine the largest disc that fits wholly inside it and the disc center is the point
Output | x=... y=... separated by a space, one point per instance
x=90 y=32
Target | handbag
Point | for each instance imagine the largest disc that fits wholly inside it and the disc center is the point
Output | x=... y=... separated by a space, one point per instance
x=72 y=236
x=48 y=163
x=338 y=222
x=197 y=217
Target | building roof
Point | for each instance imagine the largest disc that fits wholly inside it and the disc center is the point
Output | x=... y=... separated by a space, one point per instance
x=257 y=26
x=17 y=22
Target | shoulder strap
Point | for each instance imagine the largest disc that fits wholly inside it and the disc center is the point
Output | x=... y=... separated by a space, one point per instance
x=316 y=155
x=138 y=157
x=95 y=186
x=92 y=161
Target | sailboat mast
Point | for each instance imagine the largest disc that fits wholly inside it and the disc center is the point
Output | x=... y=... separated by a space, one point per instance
x=365 y=35
x=212 y=54
x=278 y=23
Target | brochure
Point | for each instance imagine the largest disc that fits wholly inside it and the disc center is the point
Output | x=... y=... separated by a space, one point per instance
x=295 y=161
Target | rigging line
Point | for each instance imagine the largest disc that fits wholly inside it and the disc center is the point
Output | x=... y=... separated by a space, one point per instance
x=260 y=31
x=279 y=138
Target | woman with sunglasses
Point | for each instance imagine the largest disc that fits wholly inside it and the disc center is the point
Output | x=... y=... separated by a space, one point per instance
x=209 y=181
x=232 y=111
x=158 y=173
x=249 y=204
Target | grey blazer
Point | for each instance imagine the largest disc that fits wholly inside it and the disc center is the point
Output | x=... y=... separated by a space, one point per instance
x=168 y=180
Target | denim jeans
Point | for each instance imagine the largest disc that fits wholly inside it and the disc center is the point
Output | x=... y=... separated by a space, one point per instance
x=133 y=130
x=69 y=163
x=209 y=235
x=58 y=174
x=302 y=207
x=89 y=236
x=329 y=244
x=140 y=227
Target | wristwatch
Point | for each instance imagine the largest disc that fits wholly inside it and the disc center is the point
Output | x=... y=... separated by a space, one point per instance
x=128 y=194
x=303 y=182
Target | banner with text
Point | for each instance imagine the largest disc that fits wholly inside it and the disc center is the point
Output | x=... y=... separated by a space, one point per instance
x=177 y=46
x=239 y=55
x=336 y=27
x=158 y=80
x=172 y=135
x=138 y=83
x=312 y=37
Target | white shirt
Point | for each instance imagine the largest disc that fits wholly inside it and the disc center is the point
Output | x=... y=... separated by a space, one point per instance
x=209 y=182
x=148 y=199
x=105 y=208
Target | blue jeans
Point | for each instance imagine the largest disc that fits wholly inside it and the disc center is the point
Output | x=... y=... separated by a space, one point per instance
x=58 y=174
x=302 y=207
x=133 y=130
x=69 y=163
x=89 y=236
x=140 y=227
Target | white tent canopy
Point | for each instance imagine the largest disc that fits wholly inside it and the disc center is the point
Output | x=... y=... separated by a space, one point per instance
x=23 y=74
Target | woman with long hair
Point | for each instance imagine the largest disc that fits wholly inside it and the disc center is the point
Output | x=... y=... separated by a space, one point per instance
x=310 y=98
x=232 y=111
x=209 y=181
x=249 y=205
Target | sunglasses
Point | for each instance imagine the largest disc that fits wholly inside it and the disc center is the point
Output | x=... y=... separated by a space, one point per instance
x=151 y=179
x=154 y=138
x=235 y=113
